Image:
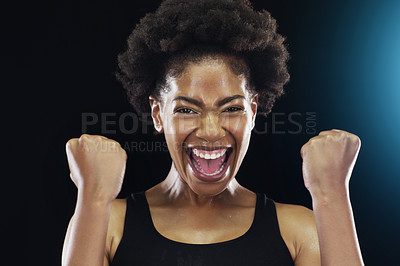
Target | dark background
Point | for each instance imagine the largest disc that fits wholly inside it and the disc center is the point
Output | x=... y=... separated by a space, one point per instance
x=344 y=68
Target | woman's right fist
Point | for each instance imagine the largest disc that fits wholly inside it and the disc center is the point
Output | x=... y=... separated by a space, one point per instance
x=97 y=166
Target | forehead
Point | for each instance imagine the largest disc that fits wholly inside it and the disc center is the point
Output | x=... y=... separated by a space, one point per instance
x=207 y=80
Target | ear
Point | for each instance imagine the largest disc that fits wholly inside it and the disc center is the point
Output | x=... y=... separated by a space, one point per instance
x=155 y=106
x=253 y=105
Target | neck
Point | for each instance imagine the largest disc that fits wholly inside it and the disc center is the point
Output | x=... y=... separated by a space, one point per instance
x=180 y=192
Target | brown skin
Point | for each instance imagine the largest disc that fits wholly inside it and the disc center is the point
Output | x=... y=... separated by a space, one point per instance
x=210 y=213
x=188 y=210
x=206 y=125
x=97 y=166
x=328 y=161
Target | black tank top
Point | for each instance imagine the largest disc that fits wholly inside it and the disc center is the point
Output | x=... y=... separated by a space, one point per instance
x=143 y=245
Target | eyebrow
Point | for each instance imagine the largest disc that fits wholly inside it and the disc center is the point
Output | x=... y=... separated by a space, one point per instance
x=220 y=103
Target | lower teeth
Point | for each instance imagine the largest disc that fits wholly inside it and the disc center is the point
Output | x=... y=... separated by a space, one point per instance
x=198 y=169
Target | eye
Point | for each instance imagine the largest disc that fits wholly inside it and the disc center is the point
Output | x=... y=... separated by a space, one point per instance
x=233 y=109
x=185 y=110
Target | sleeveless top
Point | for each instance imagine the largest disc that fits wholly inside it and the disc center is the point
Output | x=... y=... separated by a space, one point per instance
x=143 y=245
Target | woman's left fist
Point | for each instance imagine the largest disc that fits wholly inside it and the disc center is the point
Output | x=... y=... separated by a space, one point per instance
x=328 y=161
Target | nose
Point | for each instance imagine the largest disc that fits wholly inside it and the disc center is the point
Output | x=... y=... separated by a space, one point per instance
x=210 y=128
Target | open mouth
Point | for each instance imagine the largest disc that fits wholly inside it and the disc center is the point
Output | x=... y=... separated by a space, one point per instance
x=209 y=165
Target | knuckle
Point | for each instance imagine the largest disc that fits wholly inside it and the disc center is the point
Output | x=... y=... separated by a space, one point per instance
x=111 y=143
x=70 y=143
x=347 y=136
x=83 y=136
x=356 y=139
x=97 y=138
x=303 y=148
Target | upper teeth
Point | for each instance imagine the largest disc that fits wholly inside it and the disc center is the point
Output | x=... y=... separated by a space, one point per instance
x=209 y=154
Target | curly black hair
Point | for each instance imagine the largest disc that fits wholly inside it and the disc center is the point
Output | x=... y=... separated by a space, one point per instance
x=182 y=31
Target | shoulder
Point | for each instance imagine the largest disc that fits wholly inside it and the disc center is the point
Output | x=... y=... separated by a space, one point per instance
x=294 y=214
x=298 y=229
x=115 y=227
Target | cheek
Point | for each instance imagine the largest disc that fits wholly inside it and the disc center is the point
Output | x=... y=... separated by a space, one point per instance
x=240 y=126
x=175 y=132
x=180 y=126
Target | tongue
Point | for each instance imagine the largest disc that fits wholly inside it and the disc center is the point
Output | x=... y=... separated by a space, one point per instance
x=209 y=166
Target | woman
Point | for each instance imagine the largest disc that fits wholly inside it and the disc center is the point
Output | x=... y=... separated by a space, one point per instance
x=203 y=69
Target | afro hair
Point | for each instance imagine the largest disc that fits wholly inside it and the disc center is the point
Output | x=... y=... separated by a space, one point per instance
x=184 y=30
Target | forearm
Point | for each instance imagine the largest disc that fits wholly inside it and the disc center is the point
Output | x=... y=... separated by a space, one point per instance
x=336 y=230
x=87 y=232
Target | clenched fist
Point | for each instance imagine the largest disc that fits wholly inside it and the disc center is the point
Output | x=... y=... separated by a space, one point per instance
x=328 y=161
x=97 y=166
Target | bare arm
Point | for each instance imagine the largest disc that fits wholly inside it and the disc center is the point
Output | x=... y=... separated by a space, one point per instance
x=298 y=229
x=325 y=236
x=336 y=230
x=328 y=161
x=86 y=235
x=97 y=166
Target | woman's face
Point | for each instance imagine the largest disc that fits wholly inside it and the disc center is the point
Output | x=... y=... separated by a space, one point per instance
x=207 y=116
